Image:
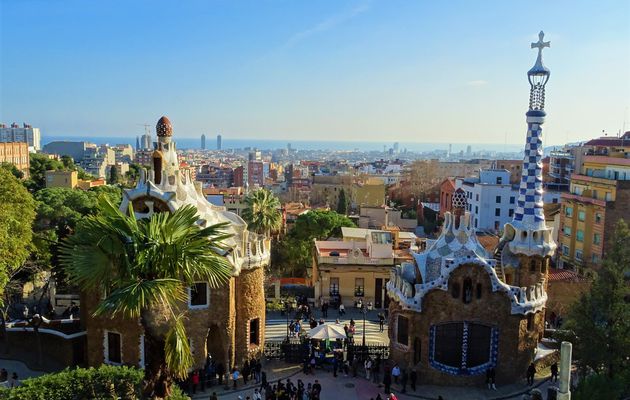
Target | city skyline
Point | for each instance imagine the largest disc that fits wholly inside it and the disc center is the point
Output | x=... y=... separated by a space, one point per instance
x=355 y=71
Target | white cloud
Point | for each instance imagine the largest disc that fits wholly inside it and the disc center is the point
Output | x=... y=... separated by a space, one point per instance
x=478 y=82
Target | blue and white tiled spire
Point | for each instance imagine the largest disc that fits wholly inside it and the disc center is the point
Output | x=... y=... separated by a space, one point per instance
x=527 y=232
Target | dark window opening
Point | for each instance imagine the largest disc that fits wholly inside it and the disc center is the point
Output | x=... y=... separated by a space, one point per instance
x=478 y=351
x=532 y=266
x=455 y=290
x=254 y=331
x=402 y=330
x=448 y=344
x=479 y=287
x=199 y=294
x=468 y=291
x=543 y=267
x=530 y=322
x=113 y=347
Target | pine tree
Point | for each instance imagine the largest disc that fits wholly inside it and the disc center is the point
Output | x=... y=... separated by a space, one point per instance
x=342 y=203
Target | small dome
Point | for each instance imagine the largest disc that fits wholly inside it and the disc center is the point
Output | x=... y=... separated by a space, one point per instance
x=459 y=199
x=164 y=127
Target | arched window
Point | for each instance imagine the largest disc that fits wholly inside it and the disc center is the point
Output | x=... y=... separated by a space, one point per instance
x=532 y=266
x=467 y=294
x=479 y=287
x=455 y=290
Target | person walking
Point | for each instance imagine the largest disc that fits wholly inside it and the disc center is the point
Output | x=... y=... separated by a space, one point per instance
x=403 y=380
x=221 y=372
x=368 y=368
x=195 y=381
x=381 y=322
x=376 y=369
x=317 y=390
x=490 y=378
x=413 y=377
x=531 y=372
x=342 y=309
x=235 y=375
x=554 y=372
x=387 y=381
x=396 y=373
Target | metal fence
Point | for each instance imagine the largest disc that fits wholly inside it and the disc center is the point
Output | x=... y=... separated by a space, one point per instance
x=297 y=352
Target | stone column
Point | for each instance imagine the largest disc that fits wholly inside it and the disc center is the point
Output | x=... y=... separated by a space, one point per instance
x=565 y=372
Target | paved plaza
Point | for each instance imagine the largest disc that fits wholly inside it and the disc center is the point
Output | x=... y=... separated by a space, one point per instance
x=349 y=388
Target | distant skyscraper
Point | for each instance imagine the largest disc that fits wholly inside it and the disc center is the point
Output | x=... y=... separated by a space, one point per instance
x=396 y=147
x=218 y=142
x=137 y=142
x=450 y=150
x=26 y=133
x=289 y=147
x=203 y=141
x=468 y=151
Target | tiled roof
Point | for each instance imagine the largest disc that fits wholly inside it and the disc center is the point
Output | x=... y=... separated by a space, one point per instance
x=564 y=275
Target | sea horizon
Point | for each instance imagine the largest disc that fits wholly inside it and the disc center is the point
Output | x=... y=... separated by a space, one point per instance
x=185 y=143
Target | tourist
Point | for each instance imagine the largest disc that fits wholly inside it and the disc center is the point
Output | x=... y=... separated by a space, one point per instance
x=368 y=368
x=325 y=310
x=387 y=381
x=214 y=396
x=355 y=366
x=263 y=379
x=396 y=373
x=235 y=375
x=490 y=378
x=14 y=381
x=536 y=395
x=221 y=372
x=413 y=377
x=4 y=375
x=342 y=309
x=370 y=307
x=381 y=322
x=317 y=390
x=531 y=372
x=258 y=371
x=403 y=380
x=245 y=372
x=335 y=362
x=554 y=372
x=194 y=380
x=392 y=396
x=376 y=369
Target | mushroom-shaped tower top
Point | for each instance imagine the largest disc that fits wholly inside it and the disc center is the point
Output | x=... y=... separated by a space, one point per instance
x=164 y=127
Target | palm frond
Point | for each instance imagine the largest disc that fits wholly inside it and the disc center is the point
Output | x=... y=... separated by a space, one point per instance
x=132 y=298
x=177 y=349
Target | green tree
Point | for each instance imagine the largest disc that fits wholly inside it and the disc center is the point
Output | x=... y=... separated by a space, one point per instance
x=262 y=212
x=12 y=169
x=39 y=164
x=17 y=212
x=61 y=209
x=131 y=176
x=600 y=319
x=113 y=175
x=294 y=253
x=342 y=204
x=319 y=225
x=144 y=268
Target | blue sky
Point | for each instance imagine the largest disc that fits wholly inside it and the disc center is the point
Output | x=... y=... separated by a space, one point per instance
x=300 y=70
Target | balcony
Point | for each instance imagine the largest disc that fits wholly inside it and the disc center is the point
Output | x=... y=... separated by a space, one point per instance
x=352 y=260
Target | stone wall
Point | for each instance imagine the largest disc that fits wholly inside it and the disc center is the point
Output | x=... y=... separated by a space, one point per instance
x=250 y=304
x=516 y=343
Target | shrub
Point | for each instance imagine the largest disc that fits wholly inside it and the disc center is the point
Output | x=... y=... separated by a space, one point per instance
x=104 y=382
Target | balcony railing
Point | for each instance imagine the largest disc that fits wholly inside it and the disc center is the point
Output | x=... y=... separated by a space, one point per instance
x=355 y=260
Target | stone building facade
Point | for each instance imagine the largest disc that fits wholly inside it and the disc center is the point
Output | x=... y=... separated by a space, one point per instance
x=458 y=311
x=225 y=323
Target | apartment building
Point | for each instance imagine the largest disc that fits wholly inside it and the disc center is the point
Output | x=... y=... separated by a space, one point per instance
x=15 y=153
x=597 y=199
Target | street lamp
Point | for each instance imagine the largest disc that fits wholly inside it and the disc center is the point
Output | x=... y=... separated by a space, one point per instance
x=364 y=312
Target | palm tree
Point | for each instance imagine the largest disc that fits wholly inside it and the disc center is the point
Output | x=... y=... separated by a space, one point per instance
x=262 y=212
x=145 y=267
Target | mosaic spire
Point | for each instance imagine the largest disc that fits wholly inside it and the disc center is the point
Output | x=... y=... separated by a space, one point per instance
x=529 y=212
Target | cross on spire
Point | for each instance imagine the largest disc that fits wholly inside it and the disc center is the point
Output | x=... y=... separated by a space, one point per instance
x=540 y=44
